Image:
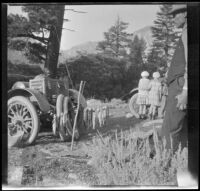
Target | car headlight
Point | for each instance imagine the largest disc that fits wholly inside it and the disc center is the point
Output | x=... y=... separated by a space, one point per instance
x=20 y=85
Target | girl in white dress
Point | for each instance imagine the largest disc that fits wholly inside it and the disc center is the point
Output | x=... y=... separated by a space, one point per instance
x=142 y=98
x=155 y=88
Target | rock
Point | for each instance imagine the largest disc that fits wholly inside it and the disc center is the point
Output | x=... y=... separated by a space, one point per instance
x=129 y=115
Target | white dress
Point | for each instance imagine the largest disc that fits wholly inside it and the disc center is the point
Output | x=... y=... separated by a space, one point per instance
x=143 y=88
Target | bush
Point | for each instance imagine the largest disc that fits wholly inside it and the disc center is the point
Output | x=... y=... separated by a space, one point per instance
x=125 y=160
x=105 y=77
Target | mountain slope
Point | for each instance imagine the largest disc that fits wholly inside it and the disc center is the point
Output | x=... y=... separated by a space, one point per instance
x=87 y=48
x=90 y=47
x=84 y=48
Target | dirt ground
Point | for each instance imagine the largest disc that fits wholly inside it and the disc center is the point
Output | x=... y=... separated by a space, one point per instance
x=50 y=162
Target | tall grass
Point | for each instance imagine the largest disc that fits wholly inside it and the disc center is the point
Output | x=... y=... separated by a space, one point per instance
x=126 y=160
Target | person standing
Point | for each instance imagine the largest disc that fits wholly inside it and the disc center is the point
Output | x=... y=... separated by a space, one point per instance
x=142 y=99
x=161 y=110
x=174 y=127
x=154 y=95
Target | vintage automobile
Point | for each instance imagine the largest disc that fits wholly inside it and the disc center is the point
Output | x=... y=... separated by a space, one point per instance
x=43 y=101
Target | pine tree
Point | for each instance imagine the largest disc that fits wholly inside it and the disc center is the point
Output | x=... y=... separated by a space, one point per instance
x=116 y=40
x=165 y=38
x=137 y=48
x=38 y=35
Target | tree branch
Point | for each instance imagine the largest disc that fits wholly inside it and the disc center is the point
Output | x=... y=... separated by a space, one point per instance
x=69 y=29
x=41 y=39
x=66 y=20
x=75 y=11
x=43 y=33
x=41 y=57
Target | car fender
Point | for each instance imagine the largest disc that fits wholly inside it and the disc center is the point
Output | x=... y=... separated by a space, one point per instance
x=132 y=100
x=37 y=96
x=133 y=91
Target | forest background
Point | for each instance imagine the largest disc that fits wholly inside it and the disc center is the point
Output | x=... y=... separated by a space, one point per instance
x=111 y=72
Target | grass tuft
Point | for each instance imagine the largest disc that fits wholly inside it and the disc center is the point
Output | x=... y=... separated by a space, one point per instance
x=125 y=160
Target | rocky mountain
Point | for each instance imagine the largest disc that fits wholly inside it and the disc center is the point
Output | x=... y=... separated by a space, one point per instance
x=90 y=47
x=85 y=48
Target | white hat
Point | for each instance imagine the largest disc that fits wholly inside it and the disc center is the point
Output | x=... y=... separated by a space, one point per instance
x=177 y=8
x=156 y=75
x=145 y=74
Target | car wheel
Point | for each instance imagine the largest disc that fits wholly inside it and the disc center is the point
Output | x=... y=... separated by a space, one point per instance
x=22 y=118
x=133 y=106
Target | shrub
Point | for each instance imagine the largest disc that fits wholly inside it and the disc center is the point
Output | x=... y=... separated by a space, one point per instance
x=106 y=77
x=126 y=160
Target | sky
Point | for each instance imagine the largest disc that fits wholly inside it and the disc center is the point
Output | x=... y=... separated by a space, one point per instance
x=91 y=25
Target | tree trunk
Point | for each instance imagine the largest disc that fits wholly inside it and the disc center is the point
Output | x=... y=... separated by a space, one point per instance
x=54 y=43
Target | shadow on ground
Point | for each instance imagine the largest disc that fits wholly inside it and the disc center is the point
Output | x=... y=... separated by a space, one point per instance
x=116 y=122
x=113 y=124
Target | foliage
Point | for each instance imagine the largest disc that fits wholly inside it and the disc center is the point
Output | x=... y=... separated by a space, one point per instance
x=105 y=77
x=109 y=75
x=20 y=31
x=137 y=48
x=116 y=40
x=136 y=63
x=116 y=45
x=32 y=34
x=126 y=160
x=164 y=36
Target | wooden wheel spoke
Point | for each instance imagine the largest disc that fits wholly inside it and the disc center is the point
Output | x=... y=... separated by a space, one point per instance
x=25 y=112
x=16 y=110
x=11 y=110
x=28 y=119
x=25 y=129
x=27 y=126
x=10 y=117
x=22 y=110
x=25 y=109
